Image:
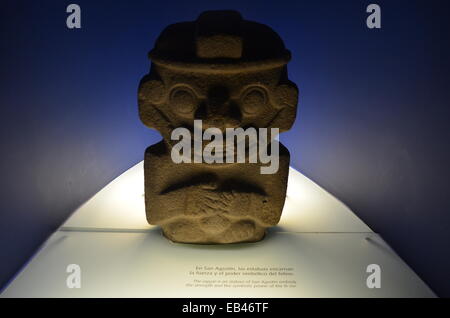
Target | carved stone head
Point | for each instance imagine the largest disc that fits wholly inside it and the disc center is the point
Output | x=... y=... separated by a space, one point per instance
x=221 y=69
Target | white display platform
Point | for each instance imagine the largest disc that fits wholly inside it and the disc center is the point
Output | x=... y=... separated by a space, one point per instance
x=308 y=208
x=319 y=249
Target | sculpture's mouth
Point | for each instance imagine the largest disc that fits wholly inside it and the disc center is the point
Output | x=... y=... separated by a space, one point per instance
x=218 y=145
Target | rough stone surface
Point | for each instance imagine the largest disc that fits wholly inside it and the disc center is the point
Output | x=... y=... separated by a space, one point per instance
x=229 y=73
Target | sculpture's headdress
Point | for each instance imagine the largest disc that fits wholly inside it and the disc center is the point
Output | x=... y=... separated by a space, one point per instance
x=219 y=41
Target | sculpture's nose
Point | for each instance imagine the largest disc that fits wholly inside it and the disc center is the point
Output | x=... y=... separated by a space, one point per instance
x=220 y=111
x=218 y=100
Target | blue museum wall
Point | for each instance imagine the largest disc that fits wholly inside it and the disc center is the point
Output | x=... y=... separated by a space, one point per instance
x=372 y=126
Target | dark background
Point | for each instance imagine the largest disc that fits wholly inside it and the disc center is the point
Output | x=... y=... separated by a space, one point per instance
x=372 y=126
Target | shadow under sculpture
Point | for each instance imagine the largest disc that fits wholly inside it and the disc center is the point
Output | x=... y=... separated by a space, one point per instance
x=227 y=73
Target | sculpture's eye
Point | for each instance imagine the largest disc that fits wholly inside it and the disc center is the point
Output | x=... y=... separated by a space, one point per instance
x=253 y=100
x=183 y=101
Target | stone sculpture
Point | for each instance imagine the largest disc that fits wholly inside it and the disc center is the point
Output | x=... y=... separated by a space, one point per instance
x=227 y=73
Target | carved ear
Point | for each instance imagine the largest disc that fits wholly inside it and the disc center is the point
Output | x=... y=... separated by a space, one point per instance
x=284 y=119
x=152 y=92
x=286 y=95
x=286 y=98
